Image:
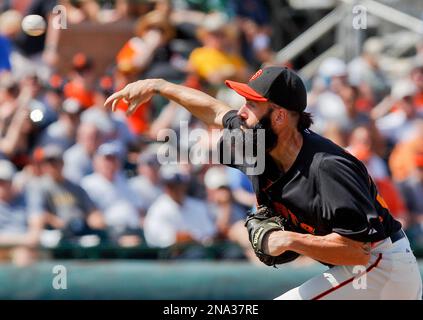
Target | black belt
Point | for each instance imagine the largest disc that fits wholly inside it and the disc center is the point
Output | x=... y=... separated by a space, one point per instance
x=397 y=236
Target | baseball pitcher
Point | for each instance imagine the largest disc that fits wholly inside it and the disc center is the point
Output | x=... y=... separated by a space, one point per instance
x=314 y=198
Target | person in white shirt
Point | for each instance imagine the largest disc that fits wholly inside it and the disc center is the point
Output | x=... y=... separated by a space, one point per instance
x=78 y=158
x=174 y=217
x=147 y=183
x=109 y=189
x=398 y=122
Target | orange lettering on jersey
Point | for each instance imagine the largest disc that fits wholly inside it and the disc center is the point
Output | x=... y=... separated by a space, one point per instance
x=279 y=207
x=307 y=228
x=381 y=201
x=293 y=218
x=286 y=213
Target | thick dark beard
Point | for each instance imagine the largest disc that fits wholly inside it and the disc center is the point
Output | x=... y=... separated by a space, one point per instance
x=271 y=138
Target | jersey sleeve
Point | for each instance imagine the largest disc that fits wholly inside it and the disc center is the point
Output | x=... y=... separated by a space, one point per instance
x=346 y=200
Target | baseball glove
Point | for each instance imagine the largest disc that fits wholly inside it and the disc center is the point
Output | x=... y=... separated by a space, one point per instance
x=259 y=224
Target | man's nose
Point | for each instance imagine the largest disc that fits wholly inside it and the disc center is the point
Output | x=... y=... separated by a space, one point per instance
x=242 y=113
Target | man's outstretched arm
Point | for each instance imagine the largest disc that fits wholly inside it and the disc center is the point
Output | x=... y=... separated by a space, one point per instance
x=201 y=105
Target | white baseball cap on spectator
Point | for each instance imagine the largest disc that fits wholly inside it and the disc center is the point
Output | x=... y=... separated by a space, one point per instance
x=332 y=67
x=215 y=178
x=373 y=46
x=52 y=152
x=147 y=158
x=99 y=119
x=71 y=106
x=214 y=21
x=109 y=149
x=7 y=170
x=172 y=174
x=403 y=88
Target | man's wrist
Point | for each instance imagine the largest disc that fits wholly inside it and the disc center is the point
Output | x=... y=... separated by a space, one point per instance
x=277 y=242
x=158 y=86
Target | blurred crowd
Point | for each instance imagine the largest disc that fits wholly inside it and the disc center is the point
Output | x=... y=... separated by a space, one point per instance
x=73 y=172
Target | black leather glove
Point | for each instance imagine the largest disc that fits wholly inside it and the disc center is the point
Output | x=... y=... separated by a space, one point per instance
x=259 y=224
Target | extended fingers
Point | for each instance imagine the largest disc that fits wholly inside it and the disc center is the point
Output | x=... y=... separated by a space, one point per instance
x=114 y=99
x=133 y=105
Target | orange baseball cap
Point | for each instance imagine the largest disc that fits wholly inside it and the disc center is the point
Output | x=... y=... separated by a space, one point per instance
x=279 y=85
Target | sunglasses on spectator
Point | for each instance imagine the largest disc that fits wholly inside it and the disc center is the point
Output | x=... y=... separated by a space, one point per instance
x=53 y=161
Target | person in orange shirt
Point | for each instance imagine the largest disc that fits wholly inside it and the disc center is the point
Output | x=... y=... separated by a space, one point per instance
x=361 y=146
x=81 y=81
x=148 y=53
x=401 y=160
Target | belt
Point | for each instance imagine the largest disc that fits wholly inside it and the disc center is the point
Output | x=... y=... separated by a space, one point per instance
x=397 y=236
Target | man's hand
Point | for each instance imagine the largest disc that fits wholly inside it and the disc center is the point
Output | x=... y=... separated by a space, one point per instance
x=134 y=94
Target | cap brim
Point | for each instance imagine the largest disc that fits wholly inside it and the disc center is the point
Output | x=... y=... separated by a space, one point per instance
x=246 y=91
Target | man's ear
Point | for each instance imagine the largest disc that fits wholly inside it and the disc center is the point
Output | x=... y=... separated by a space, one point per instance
x=280 y=115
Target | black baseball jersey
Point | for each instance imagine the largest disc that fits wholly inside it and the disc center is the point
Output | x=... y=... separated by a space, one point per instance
x=326 y=190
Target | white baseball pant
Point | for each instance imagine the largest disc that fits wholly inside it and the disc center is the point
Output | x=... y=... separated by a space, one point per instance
x=392 y=274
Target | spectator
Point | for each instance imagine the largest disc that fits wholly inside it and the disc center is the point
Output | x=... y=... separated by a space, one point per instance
x=81 y=80
x=325 y=102
x=349 y=96
x=63 y=131
x=19 y=230
x=65 y=205
x=47 y=115
x=28 y=59
x=412 y=190
x=218 y=59
x=114 y=125
x=254 y=10
x=401 y=160
x=9 y=91
x=30 y=174
x=53 y=93
x=78 y=158
x=146 y=185
x=361 y=146
x=396 y=124
x=9 y=26
x=110 y=191
x=365 y=73
x=149 y=53
x=229 y=216
x=256 y=45
x=417 y=78
x=241 y=187
x=175 y=218
x=20 y=125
